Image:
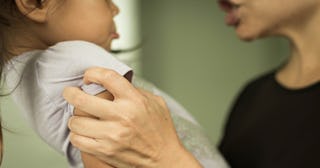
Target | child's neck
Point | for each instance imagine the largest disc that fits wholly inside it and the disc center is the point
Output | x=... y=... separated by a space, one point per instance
x=21 y=41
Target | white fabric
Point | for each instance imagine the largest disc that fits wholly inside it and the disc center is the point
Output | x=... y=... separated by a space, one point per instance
x=41 y=75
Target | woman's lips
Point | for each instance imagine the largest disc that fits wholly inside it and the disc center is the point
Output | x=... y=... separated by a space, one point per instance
x=231 y=19
x=230 y=8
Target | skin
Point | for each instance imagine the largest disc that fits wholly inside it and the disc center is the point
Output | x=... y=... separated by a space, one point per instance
x=133 y=130
x=295 y=20
x=261 y=18
x=58 y=20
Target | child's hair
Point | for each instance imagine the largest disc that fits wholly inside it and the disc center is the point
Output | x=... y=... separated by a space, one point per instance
x=8 y=12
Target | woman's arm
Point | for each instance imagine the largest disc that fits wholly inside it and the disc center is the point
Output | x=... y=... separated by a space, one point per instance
x=133 y=130
x=90 y=161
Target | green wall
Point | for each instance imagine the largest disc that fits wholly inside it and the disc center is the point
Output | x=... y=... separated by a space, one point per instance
x=191 y=54
x=22 y=147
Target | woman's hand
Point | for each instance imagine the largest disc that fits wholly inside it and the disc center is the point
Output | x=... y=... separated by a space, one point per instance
x=90 y=161
x=133 y=130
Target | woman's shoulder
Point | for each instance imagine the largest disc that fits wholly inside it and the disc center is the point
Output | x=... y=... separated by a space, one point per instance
x=261 y=83
x=261 y=80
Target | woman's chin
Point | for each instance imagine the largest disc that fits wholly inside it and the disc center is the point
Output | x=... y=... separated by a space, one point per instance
x=246 y=34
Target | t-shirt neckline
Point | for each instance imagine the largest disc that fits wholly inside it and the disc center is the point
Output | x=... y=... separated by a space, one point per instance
x=282 y=87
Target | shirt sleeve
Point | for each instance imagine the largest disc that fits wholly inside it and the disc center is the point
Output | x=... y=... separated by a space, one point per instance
x=64 y=65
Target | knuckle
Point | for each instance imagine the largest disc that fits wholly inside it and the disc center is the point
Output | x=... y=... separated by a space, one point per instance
x=71 y=123
x=88 y=72
x=74 y=124
x=126 y=132
x=110 y=74
x=116 y=137
x=123 y=133
x=141 y=100
x=129 y=118
x=107 y=151
x=74 y=140
x=91 y=74
x=79 y=100
x=69 y=93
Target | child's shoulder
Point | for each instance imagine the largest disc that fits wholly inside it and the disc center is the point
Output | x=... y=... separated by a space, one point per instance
x=74 y=57
x=76 y=48
x=79 y=52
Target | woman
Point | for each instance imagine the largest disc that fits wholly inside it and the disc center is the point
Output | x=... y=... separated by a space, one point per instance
x=272 y=124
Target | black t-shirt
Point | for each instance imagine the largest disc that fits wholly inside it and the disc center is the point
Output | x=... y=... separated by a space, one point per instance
x=271 y=126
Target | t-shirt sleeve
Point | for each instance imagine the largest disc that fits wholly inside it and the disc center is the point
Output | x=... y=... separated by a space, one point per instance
x=65 y=63
x=62 y=65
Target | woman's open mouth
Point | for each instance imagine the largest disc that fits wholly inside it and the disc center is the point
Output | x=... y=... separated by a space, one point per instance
x=230 y=8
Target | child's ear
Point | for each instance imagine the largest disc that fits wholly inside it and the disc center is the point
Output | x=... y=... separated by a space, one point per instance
x=33 y=10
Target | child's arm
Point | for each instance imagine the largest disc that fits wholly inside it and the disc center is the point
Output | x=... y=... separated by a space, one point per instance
x=90 y=161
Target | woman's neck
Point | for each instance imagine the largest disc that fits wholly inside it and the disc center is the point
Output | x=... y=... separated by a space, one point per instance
x=303 y=68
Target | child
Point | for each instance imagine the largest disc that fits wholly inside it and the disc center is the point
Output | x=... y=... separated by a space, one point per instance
x=60 y=39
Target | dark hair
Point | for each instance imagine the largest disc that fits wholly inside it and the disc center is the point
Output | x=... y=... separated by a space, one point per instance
x=8 y=11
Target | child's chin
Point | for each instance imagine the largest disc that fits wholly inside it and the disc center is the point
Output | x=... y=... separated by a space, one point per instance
x=105 y=46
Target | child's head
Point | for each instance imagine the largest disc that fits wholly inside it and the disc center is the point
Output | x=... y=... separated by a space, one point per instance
x=89 y=20
x=36 y=24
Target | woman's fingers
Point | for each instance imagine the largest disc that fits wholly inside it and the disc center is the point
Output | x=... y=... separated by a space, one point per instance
x=98 y=129
x=102 y=149
x=83 y=143
x=90 y=104
x=134 y=129
x=97 y=147
x=116 y=84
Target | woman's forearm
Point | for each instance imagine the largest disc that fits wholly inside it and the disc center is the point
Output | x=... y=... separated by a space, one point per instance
x=181 y=159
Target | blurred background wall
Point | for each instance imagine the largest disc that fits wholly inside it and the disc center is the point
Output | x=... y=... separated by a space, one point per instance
x=191 y=54
x=187 y=52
